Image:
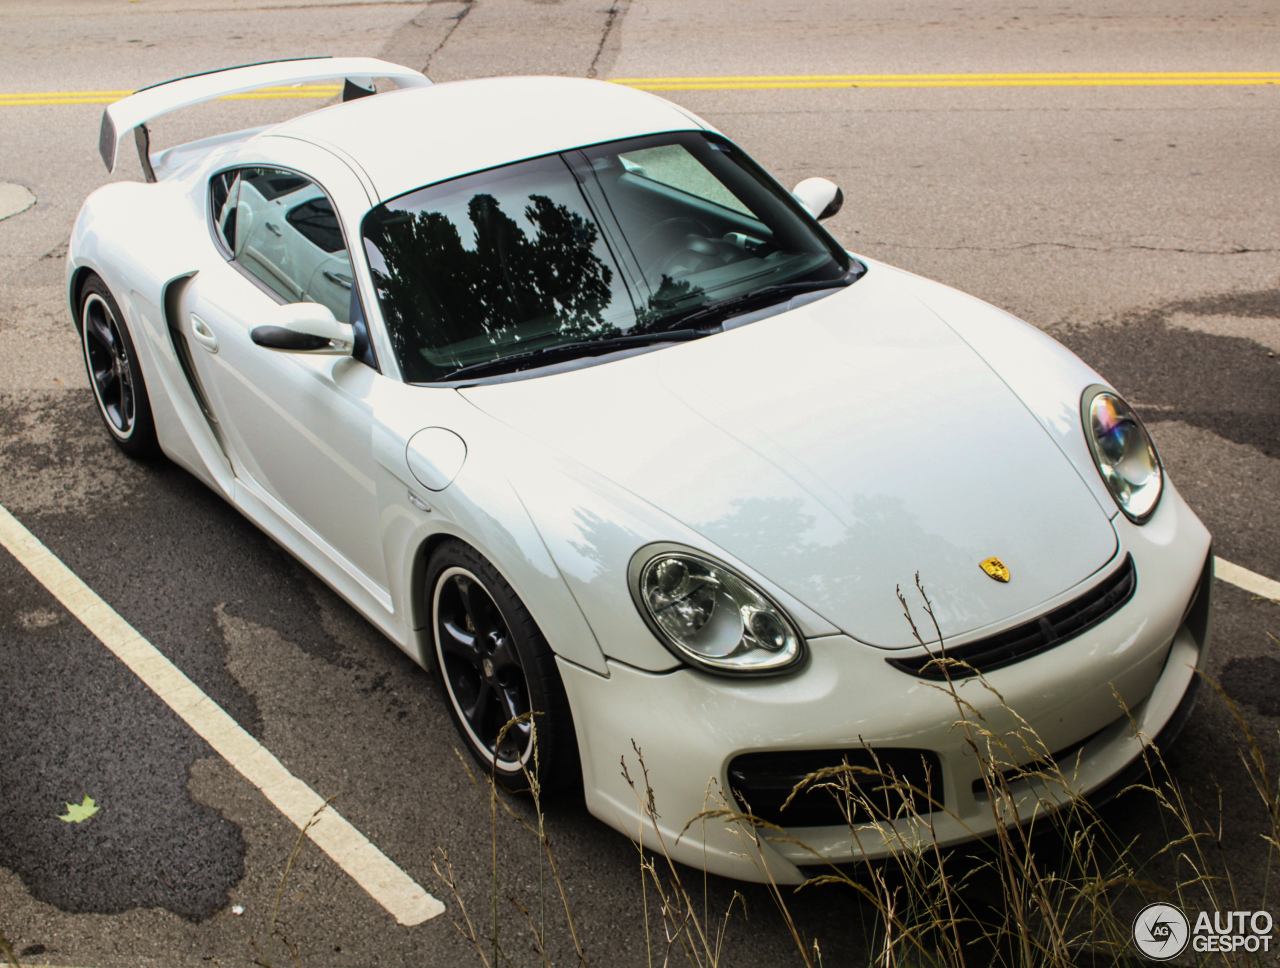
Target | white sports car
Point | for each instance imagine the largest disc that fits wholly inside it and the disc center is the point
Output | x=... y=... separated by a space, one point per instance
x=565 y=394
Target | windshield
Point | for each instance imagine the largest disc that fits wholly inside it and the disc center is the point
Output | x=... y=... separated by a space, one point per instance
x=547 y=256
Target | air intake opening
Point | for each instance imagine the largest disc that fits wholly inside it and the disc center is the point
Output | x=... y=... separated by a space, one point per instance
x=881 y=784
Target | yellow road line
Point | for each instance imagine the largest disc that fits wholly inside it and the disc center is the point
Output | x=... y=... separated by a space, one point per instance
x=42 y=94
x=1076 y=79
x=37 y=98
x=1021 y=75
x=768 y=83
x=793 y=85
x=369 y=867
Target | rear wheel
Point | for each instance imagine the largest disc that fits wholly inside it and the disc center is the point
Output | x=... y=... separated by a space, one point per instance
x=114 y=374
x=499 y=674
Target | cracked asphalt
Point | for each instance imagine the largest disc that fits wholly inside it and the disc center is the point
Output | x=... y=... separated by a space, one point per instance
x=1140 y=226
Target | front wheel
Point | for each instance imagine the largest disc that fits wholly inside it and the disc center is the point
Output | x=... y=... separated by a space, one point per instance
x=500 y=676
x=114 y=374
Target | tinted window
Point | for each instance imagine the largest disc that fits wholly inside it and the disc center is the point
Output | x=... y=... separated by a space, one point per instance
x=271 y=183
x=622 y=239
x=223 y=193
x=318 y=223
x=504 y=261
x=281 y=229
x=704 y=222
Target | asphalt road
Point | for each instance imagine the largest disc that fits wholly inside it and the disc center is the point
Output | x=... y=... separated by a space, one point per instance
x=1140 y=225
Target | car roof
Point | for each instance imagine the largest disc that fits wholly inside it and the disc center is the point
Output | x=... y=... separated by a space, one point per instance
x=409 y=138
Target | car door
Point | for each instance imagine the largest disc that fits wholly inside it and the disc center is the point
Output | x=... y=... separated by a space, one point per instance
x=298 y=424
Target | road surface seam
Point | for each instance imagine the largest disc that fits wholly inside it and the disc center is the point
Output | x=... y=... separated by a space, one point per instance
x=467 y=6
x=369 y=867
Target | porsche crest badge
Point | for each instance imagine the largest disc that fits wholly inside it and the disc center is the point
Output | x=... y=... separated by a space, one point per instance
x=995 y=568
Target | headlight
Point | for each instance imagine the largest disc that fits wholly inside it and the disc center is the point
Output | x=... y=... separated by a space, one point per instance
x=710 y=616
x=1123 y=451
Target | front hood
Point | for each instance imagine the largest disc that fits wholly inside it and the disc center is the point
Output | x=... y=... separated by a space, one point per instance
x=838 y=449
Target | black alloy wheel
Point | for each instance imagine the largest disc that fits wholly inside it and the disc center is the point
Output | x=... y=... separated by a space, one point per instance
x=499 y=674
x=114 y=374
x=481 y=668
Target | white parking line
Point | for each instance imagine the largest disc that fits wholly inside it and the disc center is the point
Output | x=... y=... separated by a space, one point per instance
x=1250 y=581
x=391 y=887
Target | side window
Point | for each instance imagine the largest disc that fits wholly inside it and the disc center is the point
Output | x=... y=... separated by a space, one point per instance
x=280 y=228
x=316 y=220
x=224 y=191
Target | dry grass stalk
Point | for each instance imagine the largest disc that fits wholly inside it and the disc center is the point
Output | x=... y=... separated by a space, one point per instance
x=263 y=960
x=7 y=950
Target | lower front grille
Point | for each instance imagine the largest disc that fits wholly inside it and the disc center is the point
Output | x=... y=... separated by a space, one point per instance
x=880 y=784
x=1030 y=638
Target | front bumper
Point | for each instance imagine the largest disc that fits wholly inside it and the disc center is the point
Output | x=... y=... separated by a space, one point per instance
x=1085 y=696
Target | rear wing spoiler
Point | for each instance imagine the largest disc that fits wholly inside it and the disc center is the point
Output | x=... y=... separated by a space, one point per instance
x=134 y=111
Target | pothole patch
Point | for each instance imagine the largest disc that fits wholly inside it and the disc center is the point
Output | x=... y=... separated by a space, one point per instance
x=14 y=199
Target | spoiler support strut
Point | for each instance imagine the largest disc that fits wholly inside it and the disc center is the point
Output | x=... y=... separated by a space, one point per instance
x=143 y=138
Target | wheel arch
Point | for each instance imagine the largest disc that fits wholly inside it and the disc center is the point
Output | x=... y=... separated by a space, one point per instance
x=530 y=651
x=419 y=612
x=538 y=585
x=75 y=288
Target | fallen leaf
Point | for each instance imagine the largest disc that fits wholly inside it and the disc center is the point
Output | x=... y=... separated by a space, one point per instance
x=79 y=812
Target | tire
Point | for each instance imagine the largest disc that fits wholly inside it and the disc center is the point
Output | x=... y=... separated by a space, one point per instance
x=114 y=374
x=496 y=666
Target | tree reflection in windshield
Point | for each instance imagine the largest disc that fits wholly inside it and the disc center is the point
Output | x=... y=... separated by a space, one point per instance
x=535 y=261
x=509 y=285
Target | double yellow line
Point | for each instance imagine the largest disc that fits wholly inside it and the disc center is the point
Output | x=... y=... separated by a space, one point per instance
x=107 y=97
x=764 y=83
x=786 y=82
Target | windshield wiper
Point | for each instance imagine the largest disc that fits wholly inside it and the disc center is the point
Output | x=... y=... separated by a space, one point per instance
x=759 y=299
x=717 y=311
x=573 y=350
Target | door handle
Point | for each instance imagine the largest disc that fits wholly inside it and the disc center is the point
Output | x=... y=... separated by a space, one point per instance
x=338 y=280
x=273 y=228
x=203 y=334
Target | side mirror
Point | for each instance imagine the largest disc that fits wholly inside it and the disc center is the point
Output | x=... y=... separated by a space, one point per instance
x=307 y=327
x=821 y=197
